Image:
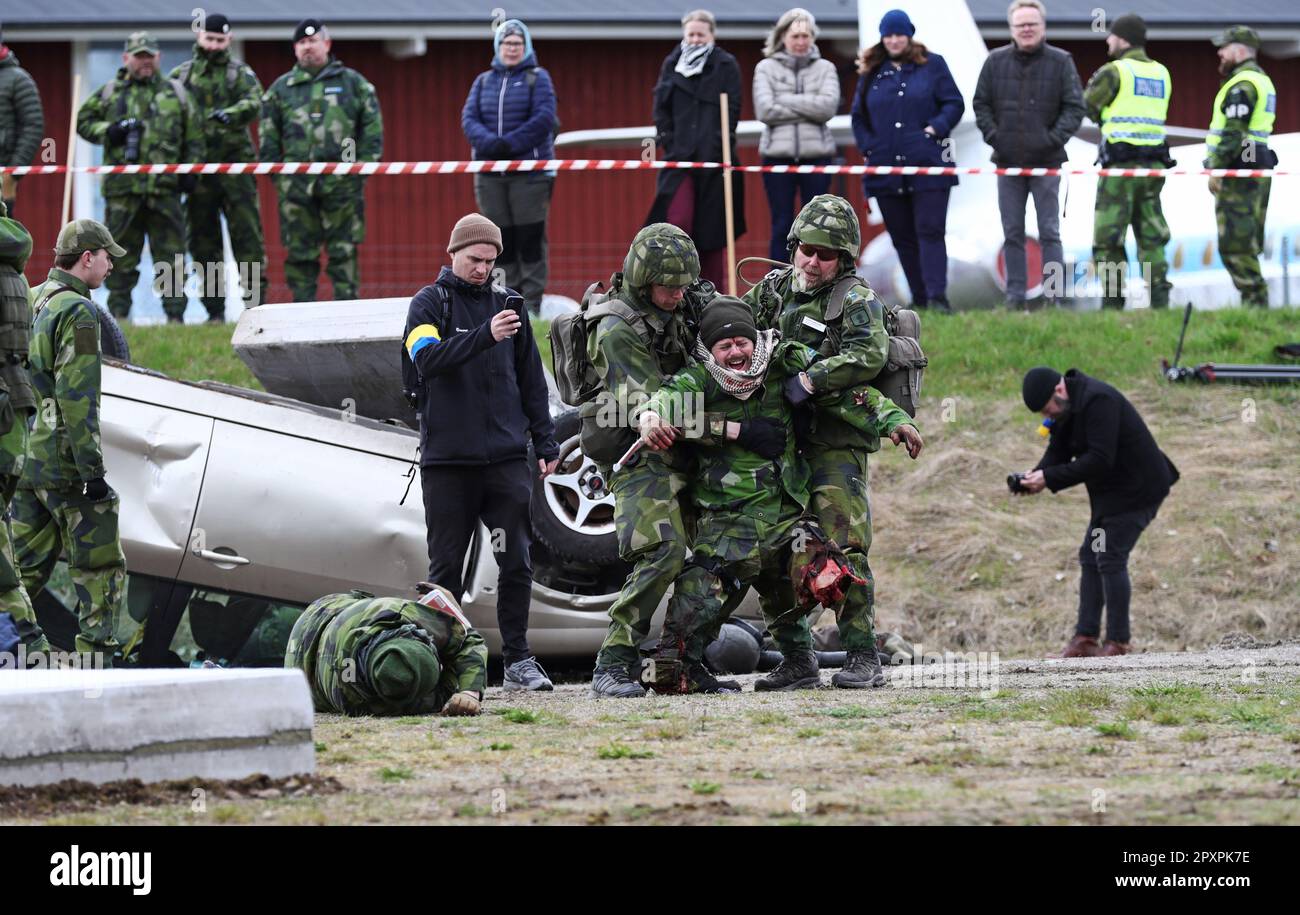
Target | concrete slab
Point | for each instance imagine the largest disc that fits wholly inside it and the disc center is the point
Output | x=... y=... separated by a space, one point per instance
x=155 y=725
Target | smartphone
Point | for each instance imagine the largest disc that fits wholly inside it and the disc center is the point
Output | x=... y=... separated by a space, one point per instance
x=515 y=302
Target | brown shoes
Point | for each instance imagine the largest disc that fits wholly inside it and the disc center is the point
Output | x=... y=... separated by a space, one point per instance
x=1113 y=649
x=1081 y=646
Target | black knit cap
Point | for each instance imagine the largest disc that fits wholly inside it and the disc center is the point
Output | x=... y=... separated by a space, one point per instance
x=726 y=317
x=307 y=27
x=1039 y=384
x=215 y=22
x=1132 y=28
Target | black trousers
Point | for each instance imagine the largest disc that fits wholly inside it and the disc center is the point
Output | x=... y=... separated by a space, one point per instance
x=1104 y=581
x=456 y=498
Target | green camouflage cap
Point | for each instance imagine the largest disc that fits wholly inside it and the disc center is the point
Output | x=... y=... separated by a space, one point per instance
x=404 y=668
x=1238 y=34
x=86 y=235
x=15 y=242
x=828 y=221
x=141 y=42
x=663 y=254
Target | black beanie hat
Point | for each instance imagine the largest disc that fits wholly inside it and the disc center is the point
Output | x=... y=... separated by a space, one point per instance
x=307 y=27
x=725 y=317
x=1039 y=384
x=1132 y=28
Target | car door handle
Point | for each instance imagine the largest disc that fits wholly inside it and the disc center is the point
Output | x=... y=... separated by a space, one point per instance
x=228 y=558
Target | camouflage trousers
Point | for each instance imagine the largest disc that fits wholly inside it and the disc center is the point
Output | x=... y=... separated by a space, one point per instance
x=50 y=522
x=1122 y=202
x=129 y=219
x=1240 y=208
x=839 y=500
x=235 y=196
x=314 y=214
x=13 y=596
x=748 y=552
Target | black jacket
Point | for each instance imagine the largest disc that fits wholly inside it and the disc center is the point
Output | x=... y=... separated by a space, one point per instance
x=1028 y=105
x=1104 y=444
x=688 y=128
x=479 y=401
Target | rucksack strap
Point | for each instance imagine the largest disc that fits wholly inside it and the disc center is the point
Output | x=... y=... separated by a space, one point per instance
x=621 y=309
x=835 y=306
x=46 y=296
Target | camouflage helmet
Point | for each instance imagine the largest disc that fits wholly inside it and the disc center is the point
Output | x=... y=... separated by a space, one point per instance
x=404 y=665
x=663 y=254
x=830 y=222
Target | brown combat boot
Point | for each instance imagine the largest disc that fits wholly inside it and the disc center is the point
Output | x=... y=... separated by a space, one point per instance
x=1111 y=649
x=1081 y=646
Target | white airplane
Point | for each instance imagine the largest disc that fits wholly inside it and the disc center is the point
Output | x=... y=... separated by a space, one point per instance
x=976 y=277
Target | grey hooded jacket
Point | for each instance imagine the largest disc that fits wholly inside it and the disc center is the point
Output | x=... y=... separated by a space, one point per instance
x=794 y=97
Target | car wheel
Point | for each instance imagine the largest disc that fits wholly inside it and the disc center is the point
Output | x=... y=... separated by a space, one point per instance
x=112 y=342
x=573 y=509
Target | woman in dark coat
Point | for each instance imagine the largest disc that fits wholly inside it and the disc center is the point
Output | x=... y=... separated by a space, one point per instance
x=688 y=124
x=905 y=106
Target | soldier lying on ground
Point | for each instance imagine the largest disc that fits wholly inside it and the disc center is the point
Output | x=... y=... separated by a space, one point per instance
x=367 y=655
x=751 y=492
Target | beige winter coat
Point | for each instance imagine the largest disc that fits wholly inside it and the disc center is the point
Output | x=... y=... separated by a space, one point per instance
x=795 y=97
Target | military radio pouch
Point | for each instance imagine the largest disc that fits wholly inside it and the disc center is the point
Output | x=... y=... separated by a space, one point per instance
x=900 y=377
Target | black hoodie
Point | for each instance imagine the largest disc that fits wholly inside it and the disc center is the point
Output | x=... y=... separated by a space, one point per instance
x=480 y=401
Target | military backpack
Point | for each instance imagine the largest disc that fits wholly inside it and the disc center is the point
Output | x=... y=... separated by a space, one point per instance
x=900 y=377
x=575 y=376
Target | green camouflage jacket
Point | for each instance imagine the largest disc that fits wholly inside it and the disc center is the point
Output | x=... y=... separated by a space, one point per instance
x=171 y=132
x=64 y=448
x=208 y=77
x=330 y=637
x=15 y=319
x=852 y=353
x=332 y=116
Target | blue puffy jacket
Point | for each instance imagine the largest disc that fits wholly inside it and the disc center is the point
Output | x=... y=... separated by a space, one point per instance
x=891 y=109
x=515 y=104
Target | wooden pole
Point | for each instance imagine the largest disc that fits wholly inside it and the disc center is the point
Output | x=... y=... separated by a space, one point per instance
x=726 y=194
x=72 y=152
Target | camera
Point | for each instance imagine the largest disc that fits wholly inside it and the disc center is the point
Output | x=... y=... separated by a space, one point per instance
x=132 y=152
x=1014 y=484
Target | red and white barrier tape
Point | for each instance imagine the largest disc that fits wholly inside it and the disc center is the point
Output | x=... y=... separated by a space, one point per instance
x=581 y=165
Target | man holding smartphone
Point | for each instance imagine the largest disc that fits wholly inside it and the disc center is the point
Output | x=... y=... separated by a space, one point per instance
x=482 y=399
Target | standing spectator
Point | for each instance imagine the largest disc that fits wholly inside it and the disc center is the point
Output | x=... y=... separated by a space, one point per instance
x=795 y=93
x=141 y=118
x=299 y=125
x=510 y=114
x=22 y=123
x=227 y=99
x=482 y=400
x=688 y=128
x=1028 y=103
x=905 y=106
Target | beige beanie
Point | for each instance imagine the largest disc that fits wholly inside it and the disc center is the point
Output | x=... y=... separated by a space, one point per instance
x=474 y=229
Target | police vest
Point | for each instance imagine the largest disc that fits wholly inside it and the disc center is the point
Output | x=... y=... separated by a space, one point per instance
x=1261 y=118
x=1137 y=113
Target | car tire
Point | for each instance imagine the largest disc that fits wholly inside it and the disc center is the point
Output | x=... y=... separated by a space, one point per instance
x=112 y=342
x=570 y=517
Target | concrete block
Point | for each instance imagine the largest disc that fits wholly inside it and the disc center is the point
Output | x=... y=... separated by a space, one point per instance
x=155 y=725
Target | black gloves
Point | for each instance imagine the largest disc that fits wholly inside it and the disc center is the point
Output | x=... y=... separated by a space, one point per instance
x=117 y=131
x=96 y=490
x=765 y=437
x=497 y=149
x=795 y=392
x=220 y=116
x=188 y=183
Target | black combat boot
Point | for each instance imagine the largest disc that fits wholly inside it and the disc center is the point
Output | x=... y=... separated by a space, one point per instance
x=861 y=671
x=700 y=680
x=798 y=670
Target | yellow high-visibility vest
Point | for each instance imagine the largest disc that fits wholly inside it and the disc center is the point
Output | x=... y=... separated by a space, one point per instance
x=1261 y=118
x=1137 y=113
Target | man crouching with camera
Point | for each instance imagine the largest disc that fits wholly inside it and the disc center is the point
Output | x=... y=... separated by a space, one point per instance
x=1097 y=438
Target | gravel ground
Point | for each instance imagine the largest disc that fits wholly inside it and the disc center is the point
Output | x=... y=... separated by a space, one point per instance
x=1186 y=738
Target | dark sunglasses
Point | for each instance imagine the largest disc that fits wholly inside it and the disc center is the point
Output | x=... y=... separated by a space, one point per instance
x=817 y=251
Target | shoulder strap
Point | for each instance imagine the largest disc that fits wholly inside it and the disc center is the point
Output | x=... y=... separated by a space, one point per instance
x=621 y=309
x=232 y=72
x=835 y=306
x=44 y=300
x=181 y=92
x=184 y=70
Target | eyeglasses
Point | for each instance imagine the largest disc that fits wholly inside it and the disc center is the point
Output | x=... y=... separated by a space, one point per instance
x=817 y=251
x=512 y=44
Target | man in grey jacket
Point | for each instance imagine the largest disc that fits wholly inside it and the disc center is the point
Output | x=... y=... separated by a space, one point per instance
x=22 y=123
x=1028 y=103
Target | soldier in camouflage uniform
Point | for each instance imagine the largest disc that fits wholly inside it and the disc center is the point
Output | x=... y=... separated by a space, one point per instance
x=141 y=118
x=1241 y=123
x=824 y=243
x=661 y=292
x=227 y=99
x=752 y=487
x=17 y=403
x=321 y=111
x=367 y=655
x=64 y=504
x=1129 y=98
